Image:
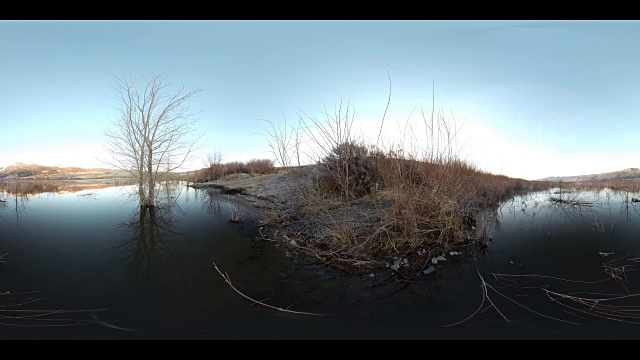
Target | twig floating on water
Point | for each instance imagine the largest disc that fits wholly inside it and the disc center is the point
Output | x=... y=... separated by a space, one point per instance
x=227 y=279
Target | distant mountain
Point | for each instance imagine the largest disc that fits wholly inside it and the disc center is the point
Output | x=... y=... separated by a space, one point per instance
x=39 y=171
x=626 y=174
x=35 y=171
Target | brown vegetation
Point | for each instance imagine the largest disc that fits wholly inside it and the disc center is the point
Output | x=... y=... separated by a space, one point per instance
x=361 y=205
x=217 y=170
x=261 y=166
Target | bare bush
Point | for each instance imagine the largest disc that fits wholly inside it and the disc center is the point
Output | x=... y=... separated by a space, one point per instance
x=236 y=167
x=261 y=166
x=214 y=167
x=348 y=170
x=360 y=203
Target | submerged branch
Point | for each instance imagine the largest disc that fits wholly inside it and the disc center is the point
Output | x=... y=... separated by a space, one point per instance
x=227 y=279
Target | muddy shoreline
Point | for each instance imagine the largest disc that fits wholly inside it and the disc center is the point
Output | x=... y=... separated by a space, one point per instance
x=263 y=192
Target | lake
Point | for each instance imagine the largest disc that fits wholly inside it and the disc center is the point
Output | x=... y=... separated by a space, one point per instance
x=90 y=264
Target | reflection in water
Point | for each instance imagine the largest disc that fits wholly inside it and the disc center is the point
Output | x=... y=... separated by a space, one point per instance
x=561 y=259
x=599 y=209
x=146 y=240
x=15 y=193
x=16 y=205
x=24 y=309
x=545 y=262
x=211 y=204
x=34 y=187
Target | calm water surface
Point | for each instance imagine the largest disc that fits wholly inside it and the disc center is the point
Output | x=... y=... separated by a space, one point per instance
x=108 y=270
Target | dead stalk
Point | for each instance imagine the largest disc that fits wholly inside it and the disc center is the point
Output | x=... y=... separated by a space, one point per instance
x=38 y=318
x=366 y=202
x=227 y=279
x=485 y=296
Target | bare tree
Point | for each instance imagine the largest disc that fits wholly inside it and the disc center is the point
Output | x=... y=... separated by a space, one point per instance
x=214 y=166
x=153 y=131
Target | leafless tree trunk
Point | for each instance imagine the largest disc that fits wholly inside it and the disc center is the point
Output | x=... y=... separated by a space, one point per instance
x=153 y=127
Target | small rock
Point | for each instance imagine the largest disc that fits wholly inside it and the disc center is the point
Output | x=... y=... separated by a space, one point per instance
x=293 y=242
x=429 y=270
x=434 y=260
x=454 y=253
x=441 y=258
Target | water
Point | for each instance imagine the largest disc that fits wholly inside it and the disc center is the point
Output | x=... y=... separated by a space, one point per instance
x=107 y=270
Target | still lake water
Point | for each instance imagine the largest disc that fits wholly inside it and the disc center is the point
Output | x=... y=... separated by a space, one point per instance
x=107 y=271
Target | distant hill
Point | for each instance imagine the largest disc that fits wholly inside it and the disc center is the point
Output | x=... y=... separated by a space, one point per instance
x=626 y=174
x=22 y=170
x=35 y=171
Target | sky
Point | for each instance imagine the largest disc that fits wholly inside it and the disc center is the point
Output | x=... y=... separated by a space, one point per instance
x=528 y=99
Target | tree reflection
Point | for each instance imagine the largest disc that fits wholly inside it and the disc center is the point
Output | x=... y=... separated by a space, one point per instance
x=211 y=204
x=148 y=236
x=14 y=204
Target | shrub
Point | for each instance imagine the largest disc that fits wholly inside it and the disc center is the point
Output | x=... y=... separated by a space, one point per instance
x=348 y=170
x=261 y=166
x=236 y=167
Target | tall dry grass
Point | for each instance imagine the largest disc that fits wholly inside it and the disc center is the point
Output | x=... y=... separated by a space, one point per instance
x=360 y=203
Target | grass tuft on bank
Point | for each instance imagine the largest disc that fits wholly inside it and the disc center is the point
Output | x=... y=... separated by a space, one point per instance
x=358 y=204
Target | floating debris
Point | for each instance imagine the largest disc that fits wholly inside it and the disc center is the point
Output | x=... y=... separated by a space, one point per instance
x=571 y=202
x=604 y=254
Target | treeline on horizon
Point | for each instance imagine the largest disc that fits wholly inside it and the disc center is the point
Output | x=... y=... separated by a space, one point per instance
x=216 y=169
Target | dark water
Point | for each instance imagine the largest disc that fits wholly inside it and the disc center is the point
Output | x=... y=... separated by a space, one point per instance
x=107 y=270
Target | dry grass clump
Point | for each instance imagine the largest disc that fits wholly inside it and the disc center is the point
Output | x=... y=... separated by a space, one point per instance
x=359 y=204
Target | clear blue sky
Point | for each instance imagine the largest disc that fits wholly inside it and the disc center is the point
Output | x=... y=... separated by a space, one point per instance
x=533 y=98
